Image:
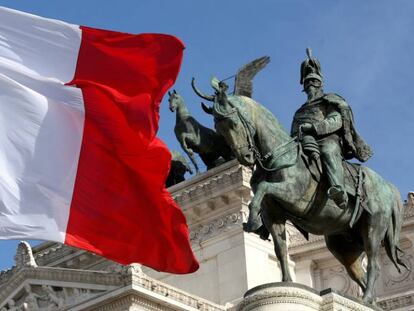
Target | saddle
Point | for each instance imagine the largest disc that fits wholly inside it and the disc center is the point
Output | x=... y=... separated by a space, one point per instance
x=353 y=175
x=289 y=154
x=308 y=150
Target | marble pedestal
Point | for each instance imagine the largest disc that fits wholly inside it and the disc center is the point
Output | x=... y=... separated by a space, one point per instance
x=297 y=297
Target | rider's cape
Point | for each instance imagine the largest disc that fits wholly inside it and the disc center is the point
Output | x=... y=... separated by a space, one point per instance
x=353 y=144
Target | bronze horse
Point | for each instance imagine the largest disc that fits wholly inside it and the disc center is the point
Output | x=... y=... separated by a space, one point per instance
x=194 y=137
x=285 y=189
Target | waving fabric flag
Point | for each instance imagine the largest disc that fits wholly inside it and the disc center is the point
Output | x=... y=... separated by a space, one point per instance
x=79 y=160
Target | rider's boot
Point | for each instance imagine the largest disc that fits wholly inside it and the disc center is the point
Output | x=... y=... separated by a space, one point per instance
x=339 y=196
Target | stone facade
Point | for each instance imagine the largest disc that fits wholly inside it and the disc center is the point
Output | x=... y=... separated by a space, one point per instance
x=52 y=276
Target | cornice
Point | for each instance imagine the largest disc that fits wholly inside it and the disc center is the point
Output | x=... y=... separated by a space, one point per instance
x=147 y=293
x=142 y=280
x=230 y=176
x=202 y=177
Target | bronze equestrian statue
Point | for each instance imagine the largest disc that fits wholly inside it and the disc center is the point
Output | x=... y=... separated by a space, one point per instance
x=326 y=119
x=290 y=183
x=179 y=167
x=194 y=137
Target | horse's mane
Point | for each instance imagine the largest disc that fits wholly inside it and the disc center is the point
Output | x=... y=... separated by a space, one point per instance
x=256 y=112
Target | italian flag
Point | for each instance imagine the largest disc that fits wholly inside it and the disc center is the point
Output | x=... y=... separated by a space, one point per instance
x=79 y=160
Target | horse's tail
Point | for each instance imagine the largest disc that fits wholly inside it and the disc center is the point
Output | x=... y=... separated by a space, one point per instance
x=392 y=236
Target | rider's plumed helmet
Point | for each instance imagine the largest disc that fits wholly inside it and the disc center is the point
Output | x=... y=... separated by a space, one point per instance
x=310 y=68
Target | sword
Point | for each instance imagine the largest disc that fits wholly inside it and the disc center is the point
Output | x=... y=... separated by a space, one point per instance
x=357 y=209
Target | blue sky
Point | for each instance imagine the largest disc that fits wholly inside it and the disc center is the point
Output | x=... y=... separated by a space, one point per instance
x=366 y=49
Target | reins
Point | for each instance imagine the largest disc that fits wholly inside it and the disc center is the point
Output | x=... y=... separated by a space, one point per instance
x=270 y=154
x=251 y=146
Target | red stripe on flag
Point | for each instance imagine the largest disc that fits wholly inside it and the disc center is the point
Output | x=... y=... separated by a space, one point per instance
x=120 y=207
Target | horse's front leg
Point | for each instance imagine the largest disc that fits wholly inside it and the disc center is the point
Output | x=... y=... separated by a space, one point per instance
x=274 y=223
x=261 y=189
x=254 y=221
x=277 y=229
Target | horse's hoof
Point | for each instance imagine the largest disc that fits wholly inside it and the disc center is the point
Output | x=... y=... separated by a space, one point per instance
x=251 y=226
x=368 y=300
x=246 y=227
x=263 y=233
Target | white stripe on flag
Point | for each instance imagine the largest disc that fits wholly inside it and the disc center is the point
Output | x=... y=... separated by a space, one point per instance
x=41 y=125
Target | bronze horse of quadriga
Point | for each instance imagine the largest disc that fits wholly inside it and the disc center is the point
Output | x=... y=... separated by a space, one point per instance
x=194 y=137
x=284 y=189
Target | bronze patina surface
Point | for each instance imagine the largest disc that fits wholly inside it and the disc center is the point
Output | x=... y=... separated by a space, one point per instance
x=194 y=137
x=301 y=178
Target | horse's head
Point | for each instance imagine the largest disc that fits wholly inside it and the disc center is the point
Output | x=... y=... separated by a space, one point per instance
x=174 y=100
x=233 y=123
x=230 y=119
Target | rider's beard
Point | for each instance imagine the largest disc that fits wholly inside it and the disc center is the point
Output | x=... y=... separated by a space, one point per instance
x=313 y=92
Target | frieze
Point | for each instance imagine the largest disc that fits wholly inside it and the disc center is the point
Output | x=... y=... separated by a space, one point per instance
x=55 y=251
x=216 y=227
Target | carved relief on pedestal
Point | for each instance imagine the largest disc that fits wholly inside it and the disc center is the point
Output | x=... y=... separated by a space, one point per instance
x=337 y=278
x=328 y=273
x=392 y=279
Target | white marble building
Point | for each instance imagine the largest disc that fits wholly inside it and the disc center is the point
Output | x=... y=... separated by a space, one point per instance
x=56 y=277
